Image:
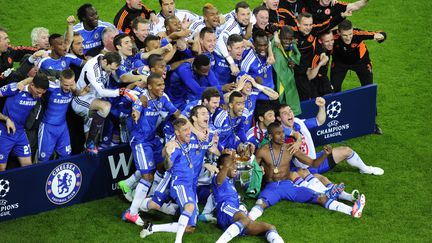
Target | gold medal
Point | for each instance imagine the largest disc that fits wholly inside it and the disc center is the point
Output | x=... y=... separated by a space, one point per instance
x=190 y=165
x=265 y=75
x=246 y=122
x=276 y=170
x=197 y=152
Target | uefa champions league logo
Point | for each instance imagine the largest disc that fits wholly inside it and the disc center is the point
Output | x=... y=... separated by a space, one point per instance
x=334 y=109
x=4 y=187
x=63 y=183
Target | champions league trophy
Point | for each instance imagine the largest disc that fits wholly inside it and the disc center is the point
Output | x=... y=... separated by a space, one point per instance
x=244 y=161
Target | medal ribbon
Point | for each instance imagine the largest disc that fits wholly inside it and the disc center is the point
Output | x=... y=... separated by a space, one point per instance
x=273 y=156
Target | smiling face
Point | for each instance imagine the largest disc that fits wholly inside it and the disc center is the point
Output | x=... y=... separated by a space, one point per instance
x=211 y=18
x=160 y=68
x=67 y=84
x=305 y=25
x=183 y=133
x=268 y=118
x=202 y=117
x=237 y=106
x=232 y=166
x=261 y=46
x=142 y=31
x=286 y=116
x=78 y=45
x=157 y=87
x=58 y=46
x=346 y=36
x=91 y=17
x=125 y=47
x=213 y=104
x=174 y=25
x=327 y=41
x=236 y=50
x=262 y=19
x=208 y=43
x=243 y=16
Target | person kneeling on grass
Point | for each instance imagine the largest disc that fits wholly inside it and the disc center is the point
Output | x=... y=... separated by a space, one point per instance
x=229 y=216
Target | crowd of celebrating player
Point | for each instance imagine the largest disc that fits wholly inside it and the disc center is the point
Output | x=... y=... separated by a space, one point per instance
x=195 y=97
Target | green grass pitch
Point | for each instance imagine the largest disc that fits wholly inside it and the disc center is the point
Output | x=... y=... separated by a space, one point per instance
x=398 y=207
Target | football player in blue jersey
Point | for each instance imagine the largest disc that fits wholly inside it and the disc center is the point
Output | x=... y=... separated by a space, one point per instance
x=230 y=123
x=13 y=117
x=255 y=62
x=53 y=130
x=222 y=68
x=230 y=217
x=58 y=59
x=146 y=146
x=251 y=91
x=90 y=27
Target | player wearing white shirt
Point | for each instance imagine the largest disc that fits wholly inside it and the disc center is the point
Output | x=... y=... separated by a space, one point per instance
x=238 y=26
x=95 y=74
x=339 y=154
x=168 y=9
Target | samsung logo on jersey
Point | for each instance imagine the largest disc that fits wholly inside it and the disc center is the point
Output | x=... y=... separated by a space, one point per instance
x=27 y=102
x=92 y=45
x=62 y=101
x=152 y=113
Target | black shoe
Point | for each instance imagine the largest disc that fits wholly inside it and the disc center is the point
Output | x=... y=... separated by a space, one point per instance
x=378 y=130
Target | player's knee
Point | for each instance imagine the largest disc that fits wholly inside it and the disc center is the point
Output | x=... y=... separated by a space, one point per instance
x=153 y=205
x=148 y=177
x=190 y=229
x=347 y=151
x=322 y=199
x=189 y=207
x=260 y=202
x=303 y=172
x=104 y=109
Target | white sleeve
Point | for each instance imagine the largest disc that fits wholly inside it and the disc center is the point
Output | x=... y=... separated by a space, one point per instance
x=221 y=44
x=96 y=82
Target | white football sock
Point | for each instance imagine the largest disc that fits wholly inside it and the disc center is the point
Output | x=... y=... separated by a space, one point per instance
x=356 y=161
x=182 y=223
x=171 y=227
x=232 y=231
x=273 y=237
x=338 y=206
x=169 y=208
x=134 y=178
x=255 y=212
x=315 y=184
x=145 y=204
x=157 y=179
x=210 y=205
x=346 y=196
x=140 y=194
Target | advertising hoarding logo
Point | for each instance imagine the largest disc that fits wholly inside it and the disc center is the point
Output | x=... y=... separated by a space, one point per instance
x=63 y=183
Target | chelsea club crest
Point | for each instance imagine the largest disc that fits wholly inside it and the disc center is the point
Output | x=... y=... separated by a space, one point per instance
x=63 y=183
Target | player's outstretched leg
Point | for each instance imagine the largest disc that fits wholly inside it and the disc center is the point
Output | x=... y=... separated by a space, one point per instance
x=353 y=159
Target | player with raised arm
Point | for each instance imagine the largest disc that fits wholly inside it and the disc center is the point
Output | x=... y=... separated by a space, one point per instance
x=90 y=27
x=279 y=178
x=339 y=154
